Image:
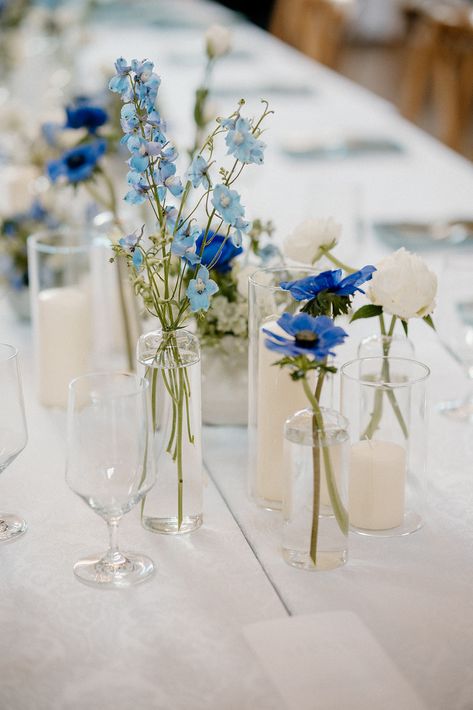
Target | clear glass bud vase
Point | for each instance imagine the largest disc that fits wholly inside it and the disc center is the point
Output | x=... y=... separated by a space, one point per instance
x=384 y=399
x=315 y=490
x=171 y=362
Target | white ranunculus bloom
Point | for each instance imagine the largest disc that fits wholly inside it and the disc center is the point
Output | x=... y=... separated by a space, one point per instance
x=304 y=243
x=218 y=41
x=404 y=286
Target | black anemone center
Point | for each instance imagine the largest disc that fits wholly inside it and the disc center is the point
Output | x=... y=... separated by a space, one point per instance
x=75 y=161
x=306 y=338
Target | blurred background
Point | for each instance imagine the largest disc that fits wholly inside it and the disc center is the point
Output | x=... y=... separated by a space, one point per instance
x=417 y=54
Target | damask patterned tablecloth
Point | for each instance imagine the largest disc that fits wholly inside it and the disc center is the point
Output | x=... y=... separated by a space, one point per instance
x=177 y=641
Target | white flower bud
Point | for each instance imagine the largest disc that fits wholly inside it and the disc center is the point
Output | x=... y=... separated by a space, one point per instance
x=218 y=41
x=304 y=243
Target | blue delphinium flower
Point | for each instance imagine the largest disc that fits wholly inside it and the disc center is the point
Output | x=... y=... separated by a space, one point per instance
x=227 y=203
x=139 y=188
x=330 y=282
x=120 y=84
x=315 y=337
x=242 y=144
x=77 y=164
x=228 y=252
x=241 y=227
x=130 y=244
x=82 y=114
x=184 y=244
x=198 y=172
x=200 y=289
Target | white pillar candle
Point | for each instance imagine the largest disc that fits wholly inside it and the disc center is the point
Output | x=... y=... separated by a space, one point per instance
x=278 y=397
x=64 y=340
x=377 y=485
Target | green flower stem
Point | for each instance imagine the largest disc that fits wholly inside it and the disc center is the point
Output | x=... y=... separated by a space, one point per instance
x=336 y=262
x=341 y=514
x=378 y=395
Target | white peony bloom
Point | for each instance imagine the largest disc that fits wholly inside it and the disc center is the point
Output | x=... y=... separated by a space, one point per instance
x=304 y=243
x=404 y=286
x=218 y=41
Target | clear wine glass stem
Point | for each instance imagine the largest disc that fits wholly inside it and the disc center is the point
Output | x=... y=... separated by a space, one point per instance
x=114 y=556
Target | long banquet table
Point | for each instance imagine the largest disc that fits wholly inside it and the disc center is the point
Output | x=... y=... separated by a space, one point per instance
x=177 y=641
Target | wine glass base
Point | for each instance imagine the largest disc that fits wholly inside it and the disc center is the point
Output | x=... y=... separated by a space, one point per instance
x=459 y=410
x=96 y=572
x=11 y=527
x=169 y=526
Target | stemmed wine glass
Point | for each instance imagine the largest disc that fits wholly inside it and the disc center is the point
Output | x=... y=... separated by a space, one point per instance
x=454 y=322
x=110 y=466
x=13 y=434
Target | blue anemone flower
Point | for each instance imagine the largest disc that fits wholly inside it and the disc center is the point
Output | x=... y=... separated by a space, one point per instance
x=329 y=281
x=77 y=164
x=310 y=336
x=228 y=252
x=200 y=289
x=84 y=115
x=227 y=204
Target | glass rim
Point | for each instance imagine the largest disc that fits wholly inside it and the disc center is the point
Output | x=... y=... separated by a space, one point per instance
x=344 y=424
x=308 y=270
x=411 y=381
x=13 y=352
x=36 y=239
x=142 y=382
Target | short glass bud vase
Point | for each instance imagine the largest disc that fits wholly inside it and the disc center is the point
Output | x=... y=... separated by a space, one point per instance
x=315 y=490
x=385 y=400
x=171 y=364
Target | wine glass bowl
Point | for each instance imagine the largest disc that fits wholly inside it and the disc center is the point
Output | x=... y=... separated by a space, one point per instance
x=109 y=465
x=13 y=432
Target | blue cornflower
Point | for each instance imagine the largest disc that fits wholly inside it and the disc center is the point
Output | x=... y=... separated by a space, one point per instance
x=214 y=245
x=84 y=115
x=184 y=244
x=227 y=204
x=198 y=172
x=200 y=289
x=328 y=281
x=309 y=336
x=242 y=143
x=78 y=163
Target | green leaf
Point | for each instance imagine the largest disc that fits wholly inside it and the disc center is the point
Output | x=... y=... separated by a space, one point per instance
x=429 y=321
x=405 y=325
x=368 y=311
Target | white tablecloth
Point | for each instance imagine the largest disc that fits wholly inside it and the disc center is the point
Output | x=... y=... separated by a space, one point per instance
x=177 y=641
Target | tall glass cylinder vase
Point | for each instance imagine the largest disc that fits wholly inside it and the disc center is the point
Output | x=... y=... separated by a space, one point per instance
x=171 y=363
x=385 y=400
x=272 y=395
x=315 y=490
x=75 y=308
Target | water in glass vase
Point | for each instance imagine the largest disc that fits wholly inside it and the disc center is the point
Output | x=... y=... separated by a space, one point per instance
x=171 y=363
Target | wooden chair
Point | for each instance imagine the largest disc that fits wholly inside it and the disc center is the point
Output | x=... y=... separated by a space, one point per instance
x=315 y=27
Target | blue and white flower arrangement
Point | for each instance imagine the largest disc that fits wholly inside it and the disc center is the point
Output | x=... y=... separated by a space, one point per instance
x=171 y=265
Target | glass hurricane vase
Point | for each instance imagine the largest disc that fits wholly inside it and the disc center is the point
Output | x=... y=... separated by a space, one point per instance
x=171 y=364
x=315 y=490
x=384 y=399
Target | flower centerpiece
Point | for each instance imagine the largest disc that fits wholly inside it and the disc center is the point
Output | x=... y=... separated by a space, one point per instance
x=307 y=342
x=169 y=274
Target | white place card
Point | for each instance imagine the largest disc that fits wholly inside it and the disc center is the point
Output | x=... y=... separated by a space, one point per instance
x=329 y=661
